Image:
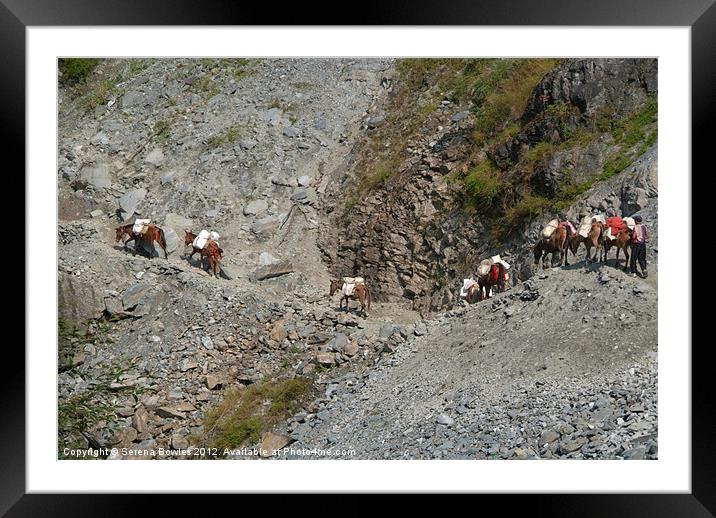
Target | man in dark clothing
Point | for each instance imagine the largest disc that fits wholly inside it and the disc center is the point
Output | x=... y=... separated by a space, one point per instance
x=640 y=236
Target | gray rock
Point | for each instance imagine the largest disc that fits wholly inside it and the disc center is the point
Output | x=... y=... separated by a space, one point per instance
x=247 y=144
x=637 y=453
x=179 y=442
x=167 y=178
x=96 y=175
x=571 y=445
x=129 y=202
x=338 y=343
x=134 y=295
x=255 y=207
x=97 y=213
x=211 y=213
x=132 y=98
x=420 y=328
x=172 y=238
x=445 y=420
x=99 y=139
x=273 y=116
x=304 y=181
x=78 y=301
x=274 y=270
x=291 y=132
x=351 y=349
x=155 y=157
x=265 y=225
x=548 y=437
x=387 y=330
x=459 y=116
x=188 y=364
x=299 y=194
x=266 y=259
x=178 y=223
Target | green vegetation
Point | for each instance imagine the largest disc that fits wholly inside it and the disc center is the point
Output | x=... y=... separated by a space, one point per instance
x=205 y=87
x=77 y=69
x=638 y=128
x=137 y=66
x=246 y=413
x=227 y=136
x=80 y=412
x=102 y=92
x=483 y=183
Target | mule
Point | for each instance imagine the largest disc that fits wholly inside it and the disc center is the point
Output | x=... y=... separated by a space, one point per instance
x=554 y=244
x=473 y=294
x=494 y=281
x=154 y=234
x=595 y=239
x=360 y=292
x=212 y=251
x=622 y=242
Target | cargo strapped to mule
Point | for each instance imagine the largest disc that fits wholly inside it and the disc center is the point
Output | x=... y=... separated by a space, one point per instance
x=141 y=226
x=349 y=285
x=550 y=228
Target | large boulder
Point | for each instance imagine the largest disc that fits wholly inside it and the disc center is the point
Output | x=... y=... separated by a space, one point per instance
x=255 y=207
x=129 y=202
x=78 y=301
x=96 y=175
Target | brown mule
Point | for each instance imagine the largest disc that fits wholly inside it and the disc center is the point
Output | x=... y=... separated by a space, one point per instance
x=594 y=240
x=212 y=251
x=621 y=242
x=495 y=278
x=360 y=292
x=554 y=244
x=152 y=235
x=473 y=294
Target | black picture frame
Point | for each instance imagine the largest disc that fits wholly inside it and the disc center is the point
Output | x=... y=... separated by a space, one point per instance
x=699 y=15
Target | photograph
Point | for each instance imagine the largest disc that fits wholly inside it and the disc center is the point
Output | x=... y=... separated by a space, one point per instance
x=357 y=258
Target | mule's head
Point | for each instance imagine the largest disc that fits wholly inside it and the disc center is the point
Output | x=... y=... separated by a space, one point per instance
x=120 y=231
x=335 y=286
x=188 y=236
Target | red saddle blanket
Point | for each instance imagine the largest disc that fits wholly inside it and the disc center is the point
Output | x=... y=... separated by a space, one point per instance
x=616 y=224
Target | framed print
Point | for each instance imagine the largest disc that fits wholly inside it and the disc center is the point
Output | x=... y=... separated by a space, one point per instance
x=329 y=245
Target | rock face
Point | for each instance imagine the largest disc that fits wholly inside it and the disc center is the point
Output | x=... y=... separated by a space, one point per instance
x=78 y=301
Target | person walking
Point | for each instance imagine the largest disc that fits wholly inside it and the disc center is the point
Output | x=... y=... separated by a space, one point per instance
x=639 y=238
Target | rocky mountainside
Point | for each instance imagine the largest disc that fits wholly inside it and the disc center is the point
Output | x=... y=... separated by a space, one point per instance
x=405 y=172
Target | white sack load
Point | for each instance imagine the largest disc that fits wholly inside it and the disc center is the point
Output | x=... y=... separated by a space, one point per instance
x=484 y=268
x=550 y=228
x=140 y=226
x=201 y=239
x=585 y=226
x=630 y=223
x=214 y=236
x=349 y=285
x=466 y=285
